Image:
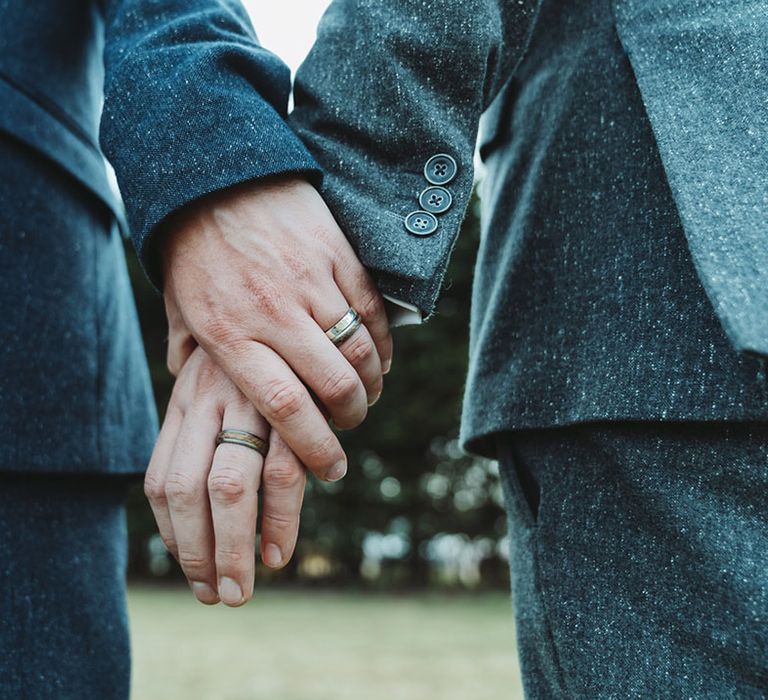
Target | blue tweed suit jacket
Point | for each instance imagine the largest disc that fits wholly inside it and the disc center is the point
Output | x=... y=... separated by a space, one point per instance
x=193 y=104
x=623 y=268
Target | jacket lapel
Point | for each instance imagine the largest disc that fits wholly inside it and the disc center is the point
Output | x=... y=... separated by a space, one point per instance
x=702 y=69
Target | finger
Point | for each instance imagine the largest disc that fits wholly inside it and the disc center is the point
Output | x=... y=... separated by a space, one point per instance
x=187 y=495
x=181 y=343
x=360 y=352
x=283 y=484
x=180 y=347
x=360 y=290
x=359 y=349
x=320 y=365
x=233 y=489
x=272 y=387
x=154 y=480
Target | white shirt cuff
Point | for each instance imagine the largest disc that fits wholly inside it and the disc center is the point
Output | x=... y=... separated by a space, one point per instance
x=401 y=313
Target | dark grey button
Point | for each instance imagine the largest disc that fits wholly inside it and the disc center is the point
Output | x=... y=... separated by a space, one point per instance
x=440 y=169
x=421 y=223
x=435 y=200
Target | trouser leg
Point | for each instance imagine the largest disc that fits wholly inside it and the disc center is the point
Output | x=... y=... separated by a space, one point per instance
x=64 y=629
x=639 y=559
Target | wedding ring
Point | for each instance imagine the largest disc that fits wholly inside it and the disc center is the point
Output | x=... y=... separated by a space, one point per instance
x=345 y=327
x=244 y=439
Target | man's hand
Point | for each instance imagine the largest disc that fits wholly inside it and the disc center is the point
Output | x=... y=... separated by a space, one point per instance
x=257 y=274
x=205 y=497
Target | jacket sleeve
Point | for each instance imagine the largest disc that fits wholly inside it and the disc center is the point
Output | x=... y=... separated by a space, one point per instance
x=193 y=104
x=389 y=85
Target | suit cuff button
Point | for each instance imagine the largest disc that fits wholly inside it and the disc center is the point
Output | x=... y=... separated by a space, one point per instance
x=440 y=169
x=436 y=200
x=421 y=223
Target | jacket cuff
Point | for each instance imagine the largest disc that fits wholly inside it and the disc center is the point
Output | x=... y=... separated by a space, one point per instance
x=181 y=122
x=241 y=151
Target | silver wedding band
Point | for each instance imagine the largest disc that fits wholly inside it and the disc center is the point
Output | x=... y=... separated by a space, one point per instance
x=344 y=328
x=244 y=439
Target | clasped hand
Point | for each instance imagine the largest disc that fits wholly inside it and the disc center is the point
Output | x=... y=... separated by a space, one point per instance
x=253 y=276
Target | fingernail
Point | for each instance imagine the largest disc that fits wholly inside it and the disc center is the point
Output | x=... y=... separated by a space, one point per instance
x=230 y=591
x=273 y=557
x=372 y=401
x=337 y=471
x=204 y=593
x=386 y=366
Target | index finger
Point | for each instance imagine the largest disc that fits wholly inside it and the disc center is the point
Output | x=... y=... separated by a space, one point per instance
x=283 y=483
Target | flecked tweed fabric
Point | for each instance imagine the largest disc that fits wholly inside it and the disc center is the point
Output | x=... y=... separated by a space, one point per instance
x=387 y=85
x=702 y=67
x=587 y=303
x=193 y=104
x=638 y=559
x=75 y=394
x=64 y=630
x=51 y=85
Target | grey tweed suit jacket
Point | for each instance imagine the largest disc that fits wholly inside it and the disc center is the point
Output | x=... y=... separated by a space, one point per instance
x=192 y=104
x=623 y=268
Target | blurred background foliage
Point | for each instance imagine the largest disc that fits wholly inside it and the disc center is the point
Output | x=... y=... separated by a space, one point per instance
x=413 y=511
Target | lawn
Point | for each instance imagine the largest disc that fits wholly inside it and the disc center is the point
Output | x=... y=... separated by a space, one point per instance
x=308 y=645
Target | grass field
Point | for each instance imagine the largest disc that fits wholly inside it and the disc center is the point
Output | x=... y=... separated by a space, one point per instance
x=307 y=645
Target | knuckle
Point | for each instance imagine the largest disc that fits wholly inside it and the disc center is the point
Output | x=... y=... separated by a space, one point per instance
x=193 y=562
x=359 y=350
x=278 y=521
x=182 y=490
x=324 y=453
x=229 y=557
x=279 y=524
x=340 y=388
x=154 y=489
x=283 y=476
x=283 y=400
x=227 y=485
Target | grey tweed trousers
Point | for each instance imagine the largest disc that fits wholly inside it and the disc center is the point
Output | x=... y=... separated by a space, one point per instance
x=639 y=559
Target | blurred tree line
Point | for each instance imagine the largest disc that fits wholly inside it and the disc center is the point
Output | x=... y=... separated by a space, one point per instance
x=413 y=510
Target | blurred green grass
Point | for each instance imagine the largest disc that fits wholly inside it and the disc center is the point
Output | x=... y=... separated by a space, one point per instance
x=310 y=645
